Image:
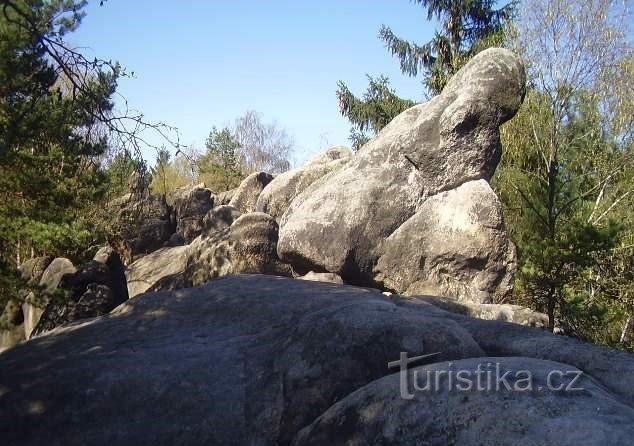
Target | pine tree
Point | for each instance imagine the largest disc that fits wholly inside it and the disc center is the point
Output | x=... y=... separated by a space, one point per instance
x=49 y=174
x=467 y=27
x=219 y=167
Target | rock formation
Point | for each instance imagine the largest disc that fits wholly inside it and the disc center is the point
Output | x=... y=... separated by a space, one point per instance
x=342 y=221
x=276 y=197
x=269 y=360
x=456 y=243
x=246 y=245
x=63 y=293
x=189 y=206
x=246 y=195
x=144 y=223
x=197 y=358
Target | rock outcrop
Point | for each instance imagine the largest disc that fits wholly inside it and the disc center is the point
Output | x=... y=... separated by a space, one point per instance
x=145 y=223
x=455 y=243
x=36 y=304
x=32 y=269
x=246 y=245
x=92 y=289
x=62 y=293
x=446 y=413
x=190 y=205
x=145 y=272
x=270 y=360
x=246 y=195
x=220 y=217
x=280 y=192
x=492 y=312
x=342 y=221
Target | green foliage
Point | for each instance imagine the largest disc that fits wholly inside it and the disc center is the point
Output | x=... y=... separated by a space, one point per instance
x=554 y=210
x=219 y=167
x=248 y=145
x=50 y=180
x=169 y=174
x=567 y=168
x=467 y=27
x=379 y=106
x=121 y=170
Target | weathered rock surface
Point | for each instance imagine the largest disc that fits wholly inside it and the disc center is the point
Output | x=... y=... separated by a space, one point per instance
x=93 y=290
x=70 y=293
x=148 y=270
x=278 y=194
x=32 y=269
x=12 y=324
x=190 y=205
x=111 y=258
x=455 y=245
x=341 y=221
x=145 y=222
x=256 y=359
x=36 y=304
x=492 y=312
x=246 y=195
x=220 y=217
x=224 y=197
x=612 y=368
x=446 y=412
x=248 y=245
x=321 y=277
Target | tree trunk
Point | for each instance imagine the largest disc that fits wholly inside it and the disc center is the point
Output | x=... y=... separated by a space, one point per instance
x=626 y=328
x=551 y=309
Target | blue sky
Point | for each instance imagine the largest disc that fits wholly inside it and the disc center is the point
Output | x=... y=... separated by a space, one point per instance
x=204 y=63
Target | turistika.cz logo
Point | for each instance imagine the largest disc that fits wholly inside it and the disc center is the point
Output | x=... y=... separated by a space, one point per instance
x=486 y=377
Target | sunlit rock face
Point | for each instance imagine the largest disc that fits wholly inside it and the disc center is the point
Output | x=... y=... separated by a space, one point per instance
x=342 y=221
x=276 y=197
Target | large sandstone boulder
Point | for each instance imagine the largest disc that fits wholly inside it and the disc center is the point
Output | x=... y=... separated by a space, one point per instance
x=278 y=194
x=36 y=304
x=246 y=195
x=445 y=411
x=190 y=205
x=341 y=221
x=492 y=312
x=248 y=245
x=71 y=293
x=145 y=272
x=144 y=223
x=455 y=245
x=256 y=359
x=220 y=217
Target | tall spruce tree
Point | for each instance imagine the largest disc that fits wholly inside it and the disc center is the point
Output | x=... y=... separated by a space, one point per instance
x=467 y=27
